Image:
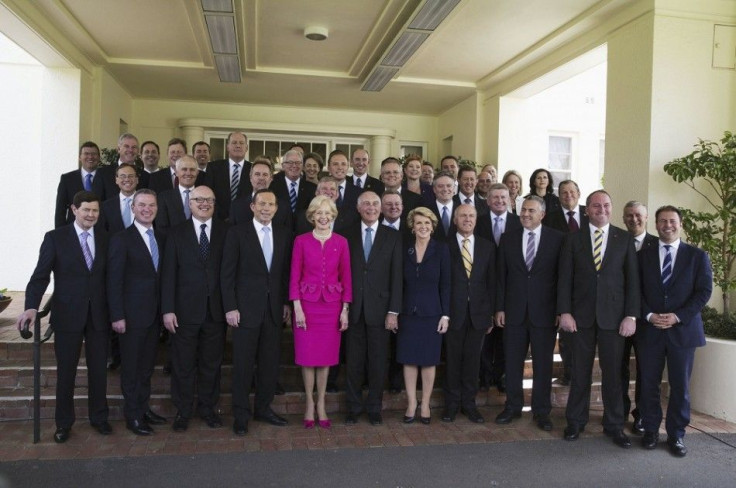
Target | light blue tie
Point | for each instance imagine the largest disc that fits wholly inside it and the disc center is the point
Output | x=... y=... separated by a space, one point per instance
x=497 y=229
x=154 y=248
x=267 y=250
x=88 y=182
x=187 y=210
x=367 y=243
x=127 y=217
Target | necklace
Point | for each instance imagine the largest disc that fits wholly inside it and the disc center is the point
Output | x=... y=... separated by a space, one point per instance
x=322 y=237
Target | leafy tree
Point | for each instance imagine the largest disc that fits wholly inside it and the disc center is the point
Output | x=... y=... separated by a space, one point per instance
x=710 y=170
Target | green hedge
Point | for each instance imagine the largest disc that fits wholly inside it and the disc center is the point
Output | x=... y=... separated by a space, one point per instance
x=718 y=326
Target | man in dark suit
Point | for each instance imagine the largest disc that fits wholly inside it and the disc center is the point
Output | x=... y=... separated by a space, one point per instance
x=467 y=179
x=261 y=178
x=191 y=304
x=377 y=279
x=328 y=187
x=492 y=226
x=347 y=195
x=173 y=207
x=128 y=151
x=255 y=284
x=116 y=214
x=526 y=303
x=133 y=290
x=290 y=186
x=473 y=261
x=391 y=176
x=677 y=283
x=228 y=177
x=361 y=180
x=598 y=300
x=570 y=218
x=635 y=219
x=77 y=255
x=150 y=155
x=444 y=189
x=166 y=179
x=86 y=178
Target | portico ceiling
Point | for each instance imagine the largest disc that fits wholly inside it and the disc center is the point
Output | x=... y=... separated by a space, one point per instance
x=160 y=49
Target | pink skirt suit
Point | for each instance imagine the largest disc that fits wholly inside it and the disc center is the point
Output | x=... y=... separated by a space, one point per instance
x=320 y=279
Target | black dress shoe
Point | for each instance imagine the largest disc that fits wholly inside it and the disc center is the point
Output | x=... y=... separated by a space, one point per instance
x=506 y=416
x=637 y=427
x=240 y=427
x=543 y=422
x=351 y=419
x=474 y=415
x=409 y=420
x=138 y=427
x=62 y=435
x=375 y=418
x=619 y=438
x=153 y=418
x=650 y=439
x=279 y=390
x=572 y=432
x=213 y=421
x=271 y=418
x=449 y=414
x=677 y=447
x=103 y=428
x=181 y=423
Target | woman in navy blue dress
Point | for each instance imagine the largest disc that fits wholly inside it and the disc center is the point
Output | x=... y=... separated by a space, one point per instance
x=425 y=311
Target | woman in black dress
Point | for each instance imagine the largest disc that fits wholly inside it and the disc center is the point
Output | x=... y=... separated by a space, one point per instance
x=542 y=185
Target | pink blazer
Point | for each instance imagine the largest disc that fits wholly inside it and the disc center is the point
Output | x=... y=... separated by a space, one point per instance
x=318 y=271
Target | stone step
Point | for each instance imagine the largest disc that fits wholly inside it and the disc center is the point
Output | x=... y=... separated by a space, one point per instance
x=20 y=407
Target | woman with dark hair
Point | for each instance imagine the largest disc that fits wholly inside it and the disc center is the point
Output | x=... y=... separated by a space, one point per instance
x=412 y=177
x=541 y=184
x=313 y=166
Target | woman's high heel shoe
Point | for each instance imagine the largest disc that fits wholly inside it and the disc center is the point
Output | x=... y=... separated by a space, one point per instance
x=325 y=423
x=424 y=420
x=410 y=420
x=308 y=424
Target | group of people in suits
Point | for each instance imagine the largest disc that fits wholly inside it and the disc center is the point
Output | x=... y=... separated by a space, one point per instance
x=352 y=263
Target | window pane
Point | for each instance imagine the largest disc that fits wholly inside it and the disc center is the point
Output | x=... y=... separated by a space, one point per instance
x=217 y=148
x=560 y=153
x=255 y=149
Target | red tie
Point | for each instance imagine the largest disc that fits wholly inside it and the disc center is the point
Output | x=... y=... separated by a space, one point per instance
x=572 y=224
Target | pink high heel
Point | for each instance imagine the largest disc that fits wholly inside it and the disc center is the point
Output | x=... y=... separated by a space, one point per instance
x=308 y=424
x=325 y=423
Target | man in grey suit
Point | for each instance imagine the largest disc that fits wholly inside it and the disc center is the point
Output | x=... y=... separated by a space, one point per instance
x=598 y=301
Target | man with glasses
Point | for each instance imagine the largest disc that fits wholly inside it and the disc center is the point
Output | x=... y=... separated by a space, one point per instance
x=290 y=186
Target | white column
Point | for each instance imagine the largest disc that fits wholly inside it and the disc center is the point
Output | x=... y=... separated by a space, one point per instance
x=192 y=134
x=380 y=150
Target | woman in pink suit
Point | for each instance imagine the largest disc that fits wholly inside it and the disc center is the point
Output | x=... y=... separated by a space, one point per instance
x=321 y=290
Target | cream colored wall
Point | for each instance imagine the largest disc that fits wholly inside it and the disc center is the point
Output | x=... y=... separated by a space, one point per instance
x=461 y=123
x=158 y=120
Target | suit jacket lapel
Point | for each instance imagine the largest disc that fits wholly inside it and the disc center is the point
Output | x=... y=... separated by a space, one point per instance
x=141 y=246
x=255 y=243
x=683 y=256
x=377 y=242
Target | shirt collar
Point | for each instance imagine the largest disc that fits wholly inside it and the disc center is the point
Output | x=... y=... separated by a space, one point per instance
x=79 y=230
x=593 y=228
x=674 y=245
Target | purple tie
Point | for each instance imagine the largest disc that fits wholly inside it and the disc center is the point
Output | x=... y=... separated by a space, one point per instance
x=85 y=249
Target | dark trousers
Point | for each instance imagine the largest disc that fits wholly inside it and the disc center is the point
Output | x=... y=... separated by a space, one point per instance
x=516 y=342
x=679 y=368
x=462 y=353
x=610 y=349
x=492 y=360
x=395 y=370
x=629 y=344
x=196 y=358
x=260 y=344
x=68 y=348
x=565 y=344
x=366 y=348
x=137 y=359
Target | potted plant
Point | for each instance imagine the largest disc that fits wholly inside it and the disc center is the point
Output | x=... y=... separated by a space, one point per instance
x=4 y=299
x=710 y=171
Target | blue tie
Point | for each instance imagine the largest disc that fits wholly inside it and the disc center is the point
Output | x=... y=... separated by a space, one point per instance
x=367 y=243
x=292 y=196
x=88 y=182
x=267 y=250
x=445 y=219
x=204 y=243
x=154 y=248
x=187 y=210
x=127 y=217
x=667 y=265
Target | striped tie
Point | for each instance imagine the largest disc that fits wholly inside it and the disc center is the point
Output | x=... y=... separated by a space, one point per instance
x=667 y=265
x=597 y=247
x=467 y=259
x=234 y=182
x=154 y=248
x=530 y=252
x=292 y=196
x=88 y=258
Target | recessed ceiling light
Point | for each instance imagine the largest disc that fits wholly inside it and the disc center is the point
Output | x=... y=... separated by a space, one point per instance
x=314 y=33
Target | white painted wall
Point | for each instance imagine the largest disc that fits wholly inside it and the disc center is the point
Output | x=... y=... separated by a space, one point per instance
x=713 y=384
x=460 y=122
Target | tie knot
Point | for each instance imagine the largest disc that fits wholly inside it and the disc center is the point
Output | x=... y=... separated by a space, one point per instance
x=187 y=191
x=266 y=230
x=667 y=247
x=531 y=234
x=368 y=230
x=150 y=232
x=570 y=213
x=598 y=232
x=497 y=219
x=85 y=235
x=444 y=208
x=466 y=241
x=236 y=166
x=293 y=184
x=203 y=227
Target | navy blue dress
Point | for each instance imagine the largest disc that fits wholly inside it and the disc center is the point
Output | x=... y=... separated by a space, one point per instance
x=426 y=300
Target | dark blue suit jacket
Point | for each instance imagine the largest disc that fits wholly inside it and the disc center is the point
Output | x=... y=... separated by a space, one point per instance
x=474 y=293
x=685 y=295
x=427 y=284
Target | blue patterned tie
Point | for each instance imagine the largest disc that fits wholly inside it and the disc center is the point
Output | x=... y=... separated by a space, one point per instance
x=445 y=219
x=88 y=182
x=234 y=182
x=154 y=248
x=267 y=249
x=530 y=252
x=187 y=210
x=292 y=196
x=367 y=243
x=127 y=217
x=667 y=265
x=359 y=183
x=88 y=258
x=204 y=243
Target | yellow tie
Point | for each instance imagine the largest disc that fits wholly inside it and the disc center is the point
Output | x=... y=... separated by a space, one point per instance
x=597 y=247
x=467 y=260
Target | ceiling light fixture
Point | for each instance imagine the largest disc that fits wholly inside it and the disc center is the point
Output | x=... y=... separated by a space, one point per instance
x=219 y=17
x=316 y=33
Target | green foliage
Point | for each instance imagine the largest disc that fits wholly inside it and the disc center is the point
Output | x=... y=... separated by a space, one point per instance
x=710 y=171
x=716 y=325
x=110 y=156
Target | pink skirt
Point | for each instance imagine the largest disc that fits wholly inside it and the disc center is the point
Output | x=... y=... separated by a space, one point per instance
x=319 y=345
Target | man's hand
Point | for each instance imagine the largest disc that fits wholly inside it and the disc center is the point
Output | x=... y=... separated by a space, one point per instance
x=391 y=322
x=663 y=320
x=170 y=322
x=232 y=318
x=29 y=314
x=627 y=327
x=119 y=326
x=500 y=319
x=567 y=323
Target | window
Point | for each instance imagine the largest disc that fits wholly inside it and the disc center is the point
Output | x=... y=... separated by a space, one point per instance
x=560 y=158
x=418 y=148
